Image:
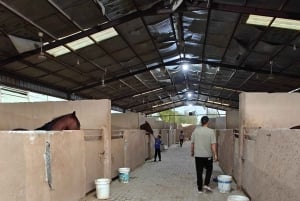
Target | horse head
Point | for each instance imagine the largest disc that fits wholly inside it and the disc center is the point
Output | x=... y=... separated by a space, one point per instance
x=146 y=126
x=74 y=123
x=64 y=122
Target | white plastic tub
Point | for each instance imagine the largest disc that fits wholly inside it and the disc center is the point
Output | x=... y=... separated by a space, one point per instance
x=102 y=188
x=124 y=174
x=237 y=198
x=224 y=183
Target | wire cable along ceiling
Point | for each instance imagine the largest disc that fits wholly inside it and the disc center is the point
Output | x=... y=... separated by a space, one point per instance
x=149 y=56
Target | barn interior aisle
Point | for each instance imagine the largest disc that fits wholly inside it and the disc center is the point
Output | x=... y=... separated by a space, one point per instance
x=172 y=179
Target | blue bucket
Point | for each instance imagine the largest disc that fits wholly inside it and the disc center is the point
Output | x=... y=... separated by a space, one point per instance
x=124 y=175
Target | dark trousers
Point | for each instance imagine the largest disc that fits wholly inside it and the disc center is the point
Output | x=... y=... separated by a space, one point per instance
x=181 y=142
x=207 y=163
x=157 y=152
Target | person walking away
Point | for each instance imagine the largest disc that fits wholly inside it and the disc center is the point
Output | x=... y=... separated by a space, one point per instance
x=157 y=148
x=204 y=149
x=181 y=138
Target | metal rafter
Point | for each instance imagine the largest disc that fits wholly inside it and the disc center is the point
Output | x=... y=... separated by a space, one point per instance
x=74 y=37
x=76 y=25
x=191 y=61
x=95 y=42
x=229 y=42
x=180 y=93
x=153 y=11
x=206 y=31
x=154 y=44
x=253 y=46
x=48 y=72
x=164 y=107
x=20 y=15
x=25 y=82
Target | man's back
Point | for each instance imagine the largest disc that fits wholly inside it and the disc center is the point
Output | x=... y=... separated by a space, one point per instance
x=202 y=138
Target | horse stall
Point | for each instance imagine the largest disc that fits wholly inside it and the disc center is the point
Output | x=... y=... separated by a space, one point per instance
x=39 y=165
x=128 y=149
x=225 y=140
x=134 y=146
x=78 y=157
x=264 y=154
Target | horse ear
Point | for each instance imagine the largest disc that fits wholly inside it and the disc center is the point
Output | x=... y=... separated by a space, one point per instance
x=74 y=113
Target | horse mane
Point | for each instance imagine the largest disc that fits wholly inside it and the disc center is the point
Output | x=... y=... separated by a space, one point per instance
x=48 y=126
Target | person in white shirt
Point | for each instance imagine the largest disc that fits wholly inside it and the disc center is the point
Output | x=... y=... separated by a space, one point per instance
x=204 y=149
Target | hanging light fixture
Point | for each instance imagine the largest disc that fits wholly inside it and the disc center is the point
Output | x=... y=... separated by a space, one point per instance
x=271 y=76
x=103 y=82
x=103 y=79
x=42 y=55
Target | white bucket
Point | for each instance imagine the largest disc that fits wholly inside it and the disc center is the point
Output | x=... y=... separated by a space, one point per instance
x=124 y=175
x=224 y=183
x=102 y=188
x=237 y=198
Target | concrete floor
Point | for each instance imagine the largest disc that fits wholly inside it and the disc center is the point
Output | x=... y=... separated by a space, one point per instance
x=172 y=179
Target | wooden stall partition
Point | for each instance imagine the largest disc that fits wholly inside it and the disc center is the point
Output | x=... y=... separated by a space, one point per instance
x=212 y=123
x=134 y=148
x=220 y=123
x=225 y=140
x=92 y=114
x=117 y=155
x=282 y=111
x=172 y=136
x=94 y=149
x=271 y=164
x=155 y=124
x=38 y=165
x=232 y=119
x=236 y=158
x=124 y=121
x=165 y=136
x=148 y=146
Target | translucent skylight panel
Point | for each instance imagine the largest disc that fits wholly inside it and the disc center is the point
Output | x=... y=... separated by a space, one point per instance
x=60 y=50
x=80 y=43
x=259 y=20
x=104 y=35
x=278 y=22
x=286 y=23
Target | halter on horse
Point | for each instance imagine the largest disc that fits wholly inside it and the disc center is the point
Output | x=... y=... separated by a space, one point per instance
x=64 y=122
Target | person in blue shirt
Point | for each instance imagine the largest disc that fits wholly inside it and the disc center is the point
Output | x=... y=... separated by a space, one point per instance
x=157 y=148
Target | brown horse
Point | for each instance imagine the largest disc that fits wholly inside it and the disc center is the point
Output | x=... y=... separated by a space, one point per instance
x=64 y=122
x=295 y=127
x=146 y=126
